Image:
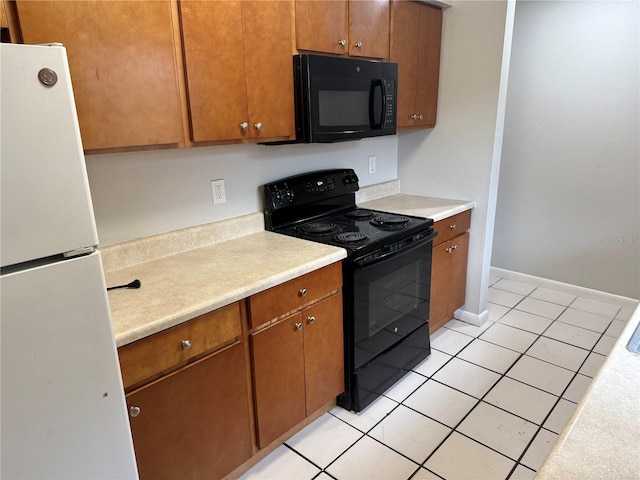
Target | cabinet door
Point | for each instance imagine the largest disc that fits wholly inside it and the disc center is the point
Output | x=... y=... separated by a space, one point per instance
x=448 y=280
x=123 y=67
x=459 y=255
x=429 y=40
x=278 y=378
x=321 y=25
x=369 y=28
x=323 y=352
x=195 y=422
x=440 y=287
x=214 y=61
x=405 y=20
x=268 y=48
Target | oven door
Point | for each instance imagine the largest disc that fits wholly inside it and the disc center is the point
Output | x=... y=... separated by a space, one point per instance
x=390 y=299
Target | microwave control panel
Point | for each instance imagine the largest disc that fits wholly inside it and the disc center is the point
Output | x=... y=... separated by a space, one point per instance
x=389 y=114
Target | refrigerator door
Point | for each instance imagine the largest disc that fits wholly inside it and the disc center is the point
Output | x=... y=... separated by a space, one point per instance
x=62 y=402
x=45 y=203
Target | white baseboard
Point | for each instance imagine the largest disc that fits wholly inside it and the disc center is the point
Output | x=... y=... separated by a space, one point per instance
x=476 y=319
x=584 y=292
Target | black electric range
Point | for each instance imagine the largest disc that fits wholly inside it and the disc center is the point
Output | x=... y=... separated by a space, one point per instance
x=386 y=275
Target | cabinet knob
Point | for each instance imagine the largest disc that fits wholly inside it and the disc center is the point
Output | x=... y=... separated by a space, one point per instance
x=134 y=411
x=342 y=42
x=302 y=292
x=298 y=326
x=258 y=126
x=453 y=227
x=451 y=249
x=420 y=117
x=186 y=344
x=311 y=320
x=414 y=117
x=244 y=126
x=358 y=45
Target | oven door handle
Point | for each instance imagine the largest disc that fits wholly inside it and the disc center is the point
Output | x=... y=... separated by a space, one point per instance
x=362 y=263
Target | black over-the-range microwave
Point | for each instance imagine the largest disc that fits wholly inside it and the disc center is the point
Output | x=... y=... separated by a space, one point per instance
x=338 y=99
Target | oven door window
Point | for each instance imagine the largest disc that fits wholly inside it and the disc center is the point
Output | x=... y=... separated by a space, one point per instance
x=391 y=300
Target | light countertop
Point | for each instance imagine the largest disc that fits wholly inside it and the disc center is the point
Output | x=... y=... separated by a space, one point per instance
x=191 y=272
x=602 y=439
x=183 y=286
x=430 y=207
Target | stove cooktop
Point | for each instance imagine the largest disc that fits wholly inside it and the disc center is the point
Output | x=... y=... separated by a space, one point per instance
x=358 y=229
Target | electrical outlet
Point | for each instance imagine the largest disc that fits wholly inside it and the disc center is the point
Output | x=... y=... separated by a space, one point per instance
x=372 y=164
x=218 y=192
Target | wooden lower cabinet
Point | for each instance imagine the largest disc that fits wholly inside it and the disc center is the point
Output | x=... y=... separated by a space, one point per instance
x=323 y=352
x=195 y=422
x=449 y=269
x=297 y=367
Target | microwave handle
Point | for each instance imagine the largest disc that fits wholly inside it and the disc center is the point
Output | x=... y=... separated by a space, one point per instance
x=383 y=94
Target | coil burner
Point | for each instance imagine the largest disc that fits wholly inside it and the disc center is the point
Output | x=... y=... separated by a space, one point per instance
x=391 y=222
x=319 y=229
x=351 y=237
x=360 y=214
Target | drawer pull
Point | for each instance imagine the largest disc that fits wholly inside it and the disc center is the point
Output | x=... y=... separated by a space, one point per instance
x=298 y=326
x=451 y=249
x=358 y=45
x=453 y=227
x=186 y=344
x=302 y=292
x=342 y=42
x=134 y=411
x=311 y=320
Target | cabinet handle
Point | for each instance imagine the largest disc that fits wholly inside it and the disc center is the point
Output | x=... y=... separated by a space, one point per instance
x=453 y=227
x=451 y=249
x=186 y=344
x=298 y=326
x=414 y=117
x=420 y=117
x=244 y=126
x=258 y=126
x=134 y=411
x=311 y=320
x=358 y=45
x=302 y=292
x=342 y=42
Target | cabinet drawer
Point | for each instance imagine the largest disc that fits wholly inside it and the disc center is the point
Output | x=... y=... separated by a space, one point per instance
x=448 y=228
x=160 y=352
x=294 y=294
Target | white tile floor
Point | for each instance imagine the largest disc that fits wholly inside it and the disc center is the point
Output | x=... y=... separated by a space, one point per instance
x=489 y=402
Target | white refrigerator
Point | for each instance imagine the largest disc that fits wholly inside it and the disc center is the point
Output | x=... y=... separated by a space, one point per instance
x=62 y=406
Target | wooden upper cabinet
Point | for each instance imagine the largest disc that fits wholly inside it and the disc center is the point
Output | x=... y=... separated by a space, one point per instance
x=404 y=51
x=322 y=26
x=415 y=46
x=239 y=69
x=369 y=28
x=214 y=61
x=123 y=67
x=429 y=42
x=268 y=48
